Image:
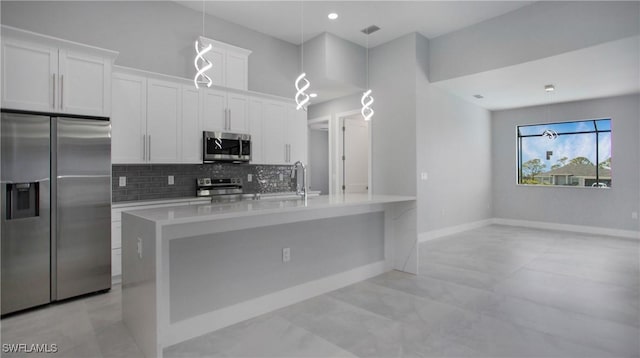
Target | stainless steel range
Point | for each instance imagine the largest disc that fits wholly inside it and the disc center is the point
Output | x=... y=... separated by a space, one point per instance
x=220 y=189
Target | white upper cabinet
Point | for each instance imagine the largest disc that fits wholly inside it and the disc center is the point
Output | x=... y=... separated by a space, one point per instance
x=163 y=121
x=230 y=64
x=191 y=126
x=214 y=110
x=274 y=144
x=41 y=73
x=256 y=115
x=297 y=133
x=128 y=119
x=85 y=83
x=29 y=76
x=225 y=111
x=238 y=112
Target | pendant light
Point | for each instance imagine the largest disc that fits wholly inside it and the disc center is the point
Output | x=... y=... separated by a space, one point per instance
x=549 y=133
x=302 y=83
x=367 y=100
x=201 y=63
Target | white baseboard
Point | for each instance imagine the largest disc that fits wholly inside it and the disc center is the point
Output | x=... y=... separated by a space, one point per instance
x=209 y=322
x=630 y=234
x=434 y=234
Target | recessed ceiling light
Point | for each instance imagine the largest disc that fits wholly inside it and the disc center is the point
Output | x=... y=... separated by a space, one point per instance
x=332 y=16
x=313 y=95
x=549 y=88
x=478 y=96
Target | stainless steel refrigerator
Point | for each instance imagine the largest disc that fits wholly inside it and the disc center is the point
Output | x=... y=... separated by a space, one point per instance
x=56 y=208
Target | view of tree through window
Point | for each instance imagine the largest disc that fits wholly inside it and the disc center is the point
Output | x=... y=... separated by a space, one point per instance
x=567 y=153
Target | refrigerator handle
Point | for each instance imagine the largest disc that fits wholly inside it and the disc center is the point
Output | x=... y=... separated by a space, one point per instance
x=61 y=91
x=53 y=105
x=53 y=158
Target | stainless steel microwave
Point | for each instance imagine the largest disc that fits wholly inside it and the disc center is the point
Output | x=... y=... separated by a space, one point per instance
x=226 y=147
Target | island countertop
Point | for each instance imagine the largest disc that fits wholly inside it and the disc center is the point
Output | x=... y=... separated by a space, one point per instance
x=215 y=211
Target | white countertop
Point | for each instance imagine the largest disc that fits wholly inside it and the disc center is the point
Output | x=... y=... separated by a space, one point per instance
x=190 y=199
x=206 y=212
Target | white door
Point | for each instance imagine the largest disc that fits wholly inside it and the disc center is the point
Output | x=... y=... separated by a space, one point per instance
x=236 y=71
x=29 y=76
x=85 y=84
x=214 y=110
x=297 y=133
x=191 y=129
x=238 y=113
x=256 y=115
x=356 y=156
x=128 y=119
x=274 y=133
x=163 y=113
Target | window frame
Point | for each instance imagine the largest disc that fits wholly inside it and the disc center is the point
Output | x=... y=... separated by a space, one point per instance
x=595 y=131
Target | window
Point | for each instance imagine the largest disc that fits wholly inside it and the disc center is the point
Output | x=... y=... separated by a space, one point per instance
x=568 y=154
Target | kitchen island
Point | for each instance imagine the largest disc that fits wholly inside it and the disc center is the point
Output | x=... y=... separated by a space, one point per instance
x=190 y=270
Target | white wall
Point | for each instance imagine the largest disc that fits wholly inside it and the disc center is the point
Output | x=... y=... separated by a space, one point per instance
x=537 y=31
x=319 y=161
x=454 y=148
x=606 y=208
x=156 y=36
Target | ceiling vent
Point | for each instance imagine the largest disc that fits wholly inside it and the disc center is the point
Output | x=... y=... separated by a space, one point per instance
x=369 y=30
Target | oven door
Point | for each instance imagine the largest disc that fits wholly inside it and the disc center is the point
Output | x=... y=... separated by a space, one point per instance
x=220 y=146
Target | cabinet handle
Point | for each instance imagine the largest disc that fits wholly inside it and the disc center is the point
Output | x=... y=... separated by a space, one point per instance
x=285 y=153
x=144 y=147
x=149 y=151
x=229 y=126
x=54 y=91
x=61 y=91
x=289 y=152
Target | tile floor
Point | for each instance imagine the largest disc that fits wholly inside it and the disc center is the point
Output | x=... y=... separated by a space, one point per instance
x=492 y=292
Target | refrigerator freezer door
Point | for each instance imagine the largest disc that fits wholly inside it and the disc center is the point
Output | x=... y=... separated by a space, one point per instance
x=25 y=211
x=83 y=207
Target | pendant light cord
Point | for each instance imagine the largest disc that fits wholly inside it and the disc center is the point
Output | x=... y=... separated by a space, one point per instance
x=301 y=35
x=203 y=18
x=367 y=60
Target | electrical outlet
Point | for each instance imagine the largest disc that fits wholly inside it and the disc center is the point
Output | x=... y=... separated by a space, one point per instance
x=634 y=215
x=424 y=176
x=139 y=246
x=170 y=179
x=286 y=254
x=281 y=177
x=122 y=181
x=249 y=178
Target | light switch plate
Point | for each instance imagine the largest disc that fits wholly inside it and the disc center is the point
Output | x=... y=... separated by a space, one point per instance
x=170 y=179
x=424 y=176
x=122 y=181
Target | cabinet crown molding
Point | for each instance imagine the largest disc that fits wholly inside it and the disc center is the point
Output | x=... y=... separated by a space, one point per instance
x=25 y=35
x=224 y=45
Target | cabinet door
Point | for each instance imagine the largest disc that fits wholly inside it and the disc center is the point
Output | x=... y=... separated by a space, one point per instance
x=274 y=133
x=236 y=71
x=128 y=119
x=238 y=112
x=297 y=132
x=191 y=128
x=85 y=84
x=214 y=114
x=163 y=113
x=29 y=76
x=256 y=115
x=217 y=56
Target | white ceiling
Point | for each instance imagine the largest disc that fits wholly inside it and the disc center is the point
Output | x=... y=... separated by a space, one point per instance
x=281 y=19
x=605 y=70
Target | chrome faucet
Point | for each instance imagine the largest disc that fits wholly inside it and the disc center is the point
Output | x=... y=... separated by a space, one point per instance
x=302 y=192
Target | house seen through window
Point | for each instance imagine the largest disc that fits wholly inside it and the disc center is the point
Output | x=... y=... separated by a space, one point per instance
x=568 y=154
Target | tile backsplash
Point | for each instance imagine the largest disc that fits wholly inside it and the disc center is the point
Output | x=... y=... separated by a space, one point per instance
x=150 y=181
